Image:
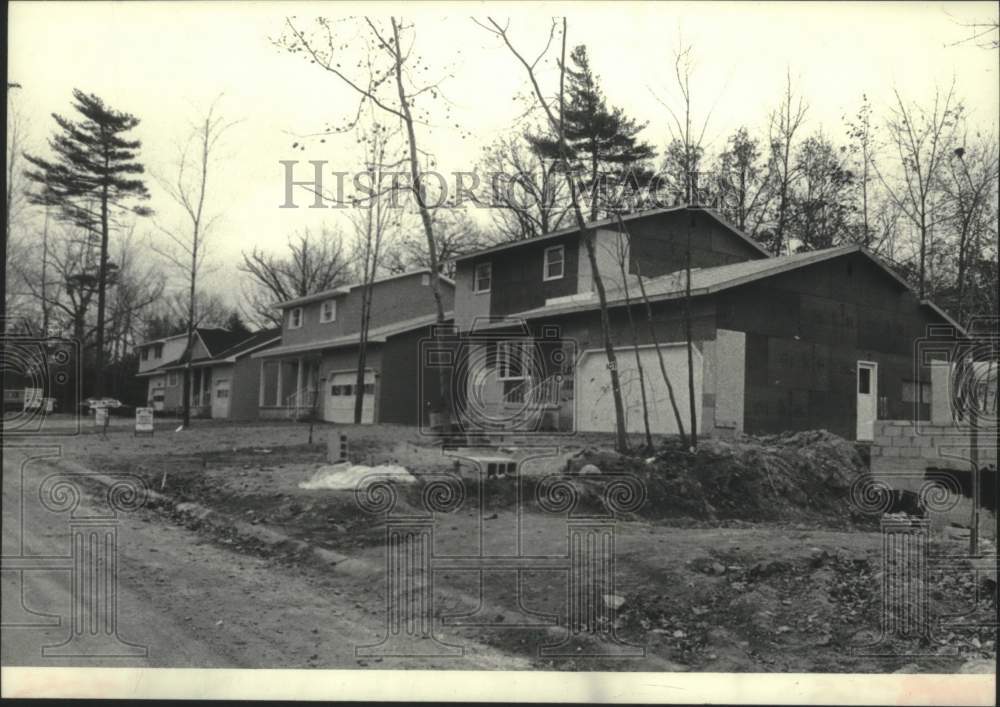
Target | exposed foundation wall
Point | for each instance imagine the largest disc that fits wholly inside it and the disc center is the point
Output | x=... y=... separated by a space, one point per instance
x=904 y=450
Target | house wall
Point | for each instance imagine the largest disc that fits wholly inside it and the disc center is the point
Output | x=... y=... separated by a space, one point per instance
x=172 y=350
x=394 y=300
x=404 y=395
x=244 y=390
x=659 y=243
x=805 y=332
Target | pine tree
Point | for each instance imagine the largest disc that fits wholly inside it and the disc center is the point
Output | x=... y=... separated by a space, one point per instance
x=602 y=140
x=93 y=177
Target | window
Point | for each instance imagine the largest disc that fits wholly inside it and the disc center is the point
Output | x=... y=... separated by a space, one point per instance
x=555 y=260
x=512 y=359
x=221 y=393
x=425 y=279
x=158 y=351
x=483 y=278
x=172 y=380
x=295 y=318
x=912 y=388
x=864 y=381
x=145 y=353
x=328 y=311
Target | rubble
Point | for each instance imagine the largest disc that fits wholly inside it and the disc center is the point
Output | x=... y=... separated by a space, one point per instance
x=347 y=477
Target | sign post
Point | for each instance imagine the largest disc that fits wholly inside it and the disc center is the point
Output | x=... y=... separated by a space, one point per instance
x=144 y=421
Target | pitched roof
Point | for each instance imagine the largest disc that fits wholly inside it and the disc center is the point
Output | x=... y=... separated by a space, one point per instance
x=254 y=341
x=724 y=222
x=214 y=340
x=378 y=336
x=705 y=281
x=218 y=340
x=346 y=289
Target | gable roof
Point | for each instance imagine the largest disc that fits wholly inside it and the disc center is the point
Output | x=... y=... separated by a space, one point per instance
x=346 y=289
x=706 y=281
x=715 y=215
x=250 y=344
x=215 y=341
x=218 y=340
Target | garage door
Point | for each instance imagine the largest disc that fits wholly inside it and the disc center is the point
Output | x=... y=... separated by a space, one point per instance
x=595 y=404
x=338 y=405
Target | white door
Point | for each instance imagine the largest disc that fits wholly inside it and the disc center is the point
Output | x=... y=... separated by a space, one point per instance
x=595 y=404
x=867 y=388
x=338 y=398
x=220 y=399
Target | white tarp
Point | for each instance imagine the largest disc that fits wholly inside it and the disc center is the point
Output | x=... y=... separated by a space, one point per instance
x=347 y=477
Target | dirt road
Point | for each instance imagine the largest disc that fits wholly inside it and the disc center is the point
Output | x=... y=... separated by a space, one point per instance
x=187 y=601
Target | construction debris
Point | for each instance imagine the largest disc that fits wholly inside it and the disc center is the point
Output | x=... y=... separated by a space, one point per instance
x=348 y=477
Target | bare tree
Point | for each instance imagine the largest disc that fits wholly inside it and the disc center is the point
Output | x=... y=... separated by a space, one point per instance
x=186 y=247
x=314 y=263
x=526 y=192
x=970 y=201
x=741 y=183
x=622 y=257
x=372 y=219
x=456 y=232
x=556 y=124
x=783 y=126
x=15 y=196
x=920 y=139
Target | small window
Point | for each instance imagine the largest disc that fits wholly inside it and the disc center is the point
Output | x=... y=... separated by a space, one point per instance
x=483 y=278
x=145 y=354
x=172 y=380
x=555 y=259
x=864 y=381
x=158 y=351
x=334 y=390
x=348 y=389
x=221 y=393
x=328 y=311
x=295 y=318
x=425 y=279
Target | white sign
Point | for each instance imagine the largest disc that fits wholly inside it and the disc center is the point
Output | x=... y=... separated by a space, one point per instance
x=100 y=416
x=144 y=420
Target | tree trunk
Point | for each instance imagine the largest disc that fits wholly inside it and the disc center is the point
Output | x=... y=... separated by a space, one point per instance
x=687 y=336
x=102 y=286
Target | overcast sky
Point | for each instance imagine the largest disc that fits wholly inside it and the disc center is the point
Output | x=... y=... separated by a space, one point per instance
x=165 y=62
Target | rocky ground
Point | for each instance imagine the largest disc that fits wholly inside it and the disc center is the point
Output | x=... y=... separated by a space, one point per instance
x=747 y=556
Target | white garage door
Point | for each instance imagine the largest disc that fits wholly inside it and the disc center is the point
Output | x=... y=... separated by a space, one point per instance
x=338 y=404
x=595 y=404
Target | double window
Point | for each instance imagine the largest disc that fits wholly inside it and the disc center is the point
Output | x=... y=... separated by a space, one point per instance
x=555 y=263
x=483 y=278
x=328 y=311
x=295 y=318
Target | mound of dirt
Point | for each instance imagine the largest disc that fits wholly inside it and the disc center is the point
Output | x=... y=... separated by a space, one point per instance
x=791 y=476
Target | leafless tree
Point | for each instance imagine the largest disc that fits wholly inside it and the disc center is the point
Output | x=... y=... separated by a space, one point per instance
x=314 y=263
x=526 y=192
x=783 y=126
x=456 y=232
x=13 y=251
x=556 y=125
x=920 y=139
x=186 y=247
x=970 y=193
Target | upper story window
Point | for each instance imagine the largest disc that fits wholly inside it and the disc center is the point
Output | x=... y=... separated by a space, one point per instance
x=158 y=351
x=483 y=278
x=295 y=318
x=145 y=353
x=555 y=262
x=328 y=311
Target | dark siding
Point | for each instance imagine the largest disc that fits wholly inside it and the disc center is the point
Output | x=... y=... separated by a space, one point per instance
x=244 y=389
x=517 y=276
x=659 y=243
x=401 y=399
x=806 y=331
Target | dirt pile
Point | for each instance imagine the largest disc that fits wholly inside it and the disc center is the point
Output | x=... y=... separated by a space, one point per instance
x=792 y=476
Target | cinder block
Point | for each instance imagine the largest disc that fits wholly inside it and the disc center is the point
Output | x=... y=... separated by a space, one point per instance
x=892 y=431
x=876 y=451
x=923 y=441
x=902 y=441
x=909 y=452
x=930 y=453
x=890 y=452
x=882 y=441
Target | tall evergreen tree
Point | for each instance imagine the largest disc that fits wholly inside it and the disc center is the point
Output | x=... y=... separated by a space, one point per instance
x=92 y=177
x=602 y=140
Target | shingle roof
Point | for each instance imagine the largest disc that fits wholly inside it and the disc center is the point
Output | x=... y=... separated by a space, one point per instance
x=709 y=280
x=378 y=335
x=723 y=221
x=218 y=340
x=251 y=342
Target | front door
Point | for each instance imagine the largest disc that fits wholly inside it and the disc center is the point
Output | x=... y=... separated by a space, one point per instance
x=220 y=401
x=867 y=389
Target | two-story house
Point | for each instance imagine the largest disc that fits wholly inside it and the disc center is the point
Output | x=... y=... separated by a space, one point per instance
x=224 y=378
x=315 y=369
x=819 y=339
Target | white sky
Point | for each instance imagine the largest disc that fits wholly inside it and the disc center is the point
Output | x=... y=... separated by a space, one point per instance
x=165 y=62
